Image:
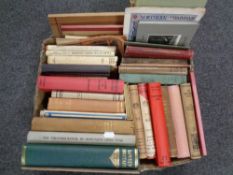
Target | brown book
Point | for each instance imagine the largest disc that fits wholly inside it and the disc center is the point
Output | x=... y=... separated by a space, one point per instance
x=189 y=115
x=153 y=70
x=169 y=122
x=82 y=125
x=128 y=106
x=62 y=104
x=137 y=115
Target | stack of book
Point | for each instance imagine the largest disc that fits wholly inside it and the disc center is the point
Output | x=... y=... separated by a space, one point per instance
x=84 y=123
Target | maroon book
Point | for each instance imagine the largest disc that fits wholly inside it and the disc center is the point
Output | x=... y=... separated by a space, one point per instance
x=159 y=53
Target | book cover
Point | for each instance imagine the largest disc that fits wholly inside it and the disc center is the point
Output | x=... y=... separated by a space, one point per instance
x=82 y=125
x=146 y=119
x=82 y=156
x=81 y=84
x=190 y=121
x=159 y=125
x=198 y=114
x=157 y=53
x=135 y=14
x=88 y=96
x=78 y=105
x=81 y=138
x=83 y=115
x=146 y=78
x=170 y=33
x=169 y=122
x=137 y=116
x=177 y=114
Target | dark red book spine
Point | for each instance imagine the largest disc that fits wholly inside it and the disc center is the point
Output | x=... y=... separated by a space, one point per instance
x=81 y=84
x=159 y=53
x=159 y=125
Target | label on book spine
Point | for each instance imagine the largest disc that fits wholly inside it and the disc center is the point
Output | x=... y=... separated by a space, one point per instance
x=146 y=118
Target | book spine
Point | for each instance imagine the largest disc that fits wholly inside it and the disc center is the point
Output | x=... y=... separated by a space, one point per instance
x=169 y=122
x=81 y=48
x=79 y=53
x=82 y=156
x=187 y=100
x=137 y=113
x=178 y=121
x=82 y=60
x=198 y=114
x=91 y=27
x=128 y=106
x=159 y=125
x=80 y=138
x=146 y=78
x=81 y=84
x=146 y=118
x=88 y=96
x=82 y=125
x=92 y=33
x=83 y=115
x=65 y=104
x=160 y=53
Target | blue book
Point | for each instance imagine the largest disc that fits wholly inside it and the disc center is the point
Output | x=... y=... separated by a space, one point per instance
x=146 y=78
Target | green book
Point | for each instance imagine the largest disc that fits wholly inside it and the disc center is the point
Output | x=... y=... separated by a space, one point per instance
x=169 y=3
x=79 y=156
x=146 y=78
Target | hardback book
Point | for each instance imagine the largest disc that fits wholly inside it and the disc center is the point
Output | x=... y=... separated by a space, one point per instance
x=158 y=53
x=146 y=119
x=169 y=3
x=177 y=114
x=134 y=15
x=137 y=116
x=79 y=105
x=87 y=70
x=81 y=138
x=198 y=114
x=190 y=121
x=169 y=122
x=159 y=125
x=169 y=33
x=83 y=60
x=81 y=156
x=83 y=115
x=92 y=28
x=80 y=84
x=146 y=78
x=87 y=96
x=152 y=70
x=128 y=105
x=82 y=125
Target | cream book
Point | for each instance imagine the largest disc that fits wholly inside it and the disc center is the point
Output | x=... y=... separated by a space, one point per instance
x=79 y=48
x=83 y=60
x=90 y=96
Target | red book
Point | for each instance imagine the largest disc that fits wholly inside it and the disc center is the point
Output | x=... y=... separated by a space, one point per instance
x=92 y=28
x=81 y=84
x=198 y=114
x=159 y=125
x=159 y=53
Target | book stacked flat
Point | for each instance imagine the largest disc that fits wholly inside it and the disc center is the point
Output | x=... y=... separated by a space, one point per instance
x=84 y=123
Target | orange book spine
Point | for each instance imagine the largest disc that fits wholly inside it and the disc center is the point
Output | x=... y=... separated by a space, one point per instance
x=159 y=125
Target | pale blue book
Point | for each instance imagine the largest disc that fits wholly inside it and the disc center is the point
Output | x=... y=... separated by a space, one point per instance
x=146 y=78
x=83 y=115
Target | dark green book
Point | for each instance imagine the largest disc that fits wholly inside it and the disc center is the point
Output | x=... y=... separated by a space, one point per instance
x=79 y=156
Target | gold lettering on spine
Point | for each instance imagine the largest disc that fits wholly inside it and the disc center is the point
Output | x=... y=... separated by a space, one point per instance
x=124 y=158
x=130 y=158
x=115 y=158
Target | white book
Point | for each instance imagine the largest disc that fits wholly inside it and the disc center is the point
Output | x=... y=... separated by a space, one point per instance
x=80 y=53
x=84 y=60
x=89 y=96
x=107 y=138
x=133 y=15
x=103 y=48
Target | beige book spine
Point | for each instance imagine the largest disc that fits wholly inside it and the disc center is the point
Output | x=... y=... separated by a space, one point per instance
x=79 y=53
x=137 y=113
x=128 y=106
x=169 y=122
x=103 y=106
x=146 y=118
x=81 y=48
x=91 y=33
x=189 y=113
x=82 y=60
x=82 y=125
x=75 y=37
x=64 y=41
x=88 y=96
